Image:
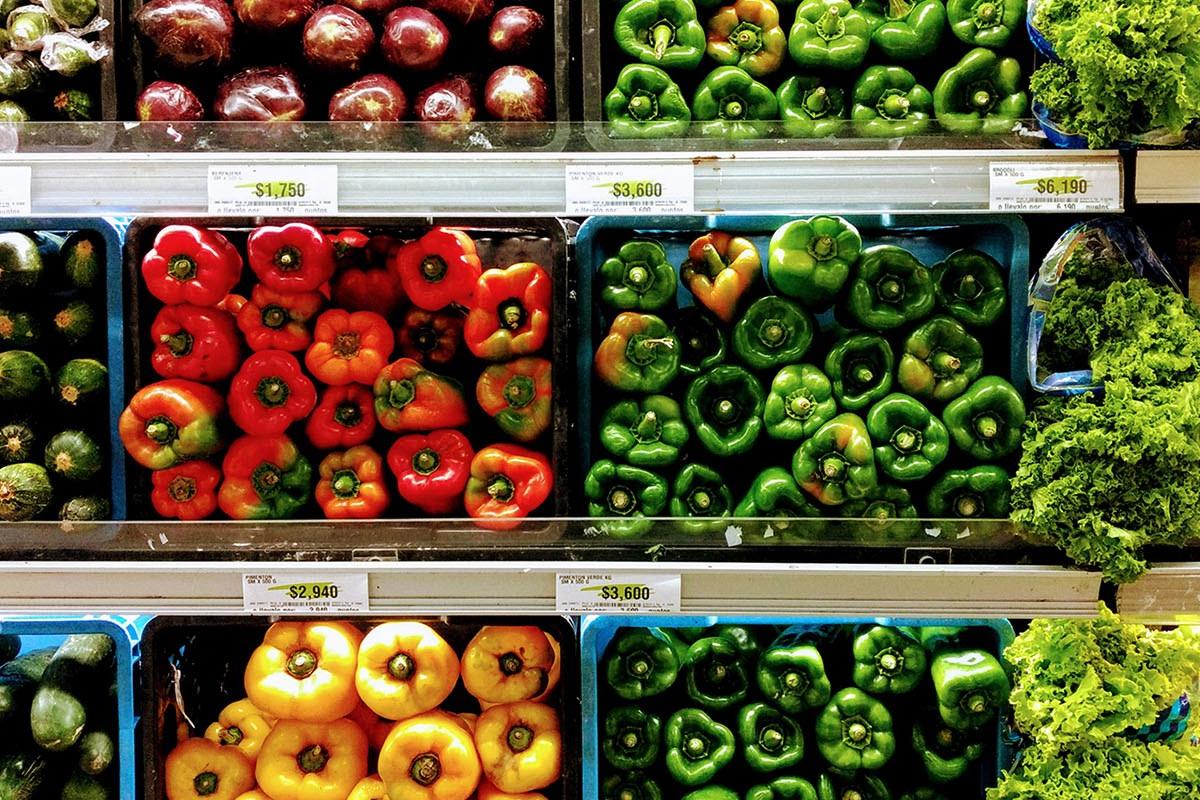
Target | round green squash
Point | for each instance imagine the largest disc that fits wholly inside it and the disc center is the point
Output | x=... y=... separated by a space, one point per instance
x=80 y=509
x=17 y=441
x=81 y=259
x=75 y=321
x=23 y=375
x=20 y=262
x=24 y=491
x=74 y=455
x=80 y=381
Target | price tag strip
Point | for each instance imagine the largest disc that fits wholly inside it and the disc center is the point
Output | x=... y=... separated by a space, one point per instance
x=308 y=189
x=617 y=593
x=15 y=193
x=1081 y=186
x=265 y=593
x=630 y=189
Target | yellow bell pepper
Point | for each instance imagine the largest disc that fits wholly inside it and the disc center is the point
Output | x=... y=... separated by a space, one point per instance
x=374 y=726
x=470 y=720
x=243 y=726
x=198 y=769
x=312 y=760
x=488 y=791
x=430 y=757
x=520 y=746
x=369 y=788
x=506 y=664
x=254 y=794
x=305 y=671
x=405 y=669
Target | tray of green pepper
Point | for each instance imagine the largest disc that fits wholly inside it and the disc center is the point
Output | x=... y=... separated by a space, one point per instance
x=869 y=369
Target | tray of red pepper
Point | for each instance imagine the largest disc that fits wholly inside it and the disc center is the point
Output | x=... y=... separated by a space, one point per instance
x=354 y=371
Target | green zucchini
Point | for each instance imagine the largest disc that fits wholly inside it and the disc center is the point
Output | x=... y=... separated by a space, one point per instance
x=96 y=752
x=75 y=321
x=17 y=442
x=23 y=375
x=19 y=679
x=22 y=775
x=81 y=509
x=10 y=645
x=80 y=380
x=20 y=262
x=74 y=455
x=25 y=491
x=81 y=256
x=82 y=664
x=18 y=329
x=56 y=718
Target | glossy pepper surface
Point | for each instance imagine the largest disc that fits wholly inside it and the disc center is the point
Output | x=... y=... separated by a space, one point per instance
x=194 y=342
x=774 y=494
x=350 y=484
x=860 y=370
x=430 y=337
x=170 y=421
x=431 y=756
x=269 y=393
x=724 y=407
x=887 y=660
x=799 y=402
x=970 y=287
x=376 y=290
x=836 y=463
x=266 y=477
x=702 y=343
x=632 y=493
x=520 y=746
x=863 y=785
x=810 y=259
x=295 y=257
x=432 y=469
x=720 y=268
x=409 y=397
x=829 y=35
x=905 y=30
x=791 y=675
x=971 y=687
x=700 y=494
x=664 y=33
x=773 y=332
x=639 y=354
x=888 y=102
x=508 y=663
x=718 y=670
x=344 y=417
x=185 y=492
x=886 y=511
x=642 y=662
x=638 y=278
x=507 y=483
x=940 y=360
x=811 y=107
x=191 y=265
x=369 y=788
x=200 y=769
x=243 y=726
x=305 y=671
x=405 y=669
x=909 y=440
x=786 y=787
x=632 y=738
x=982 y=93
x=730 y=104
x=645 y=433
x=517 y=395
x=440 y=268
x=891 y=288
x=855 y=732
x=770 y=740
x=624 y=785
x=747 y=34
x=646 y=103
x=945 y=753
x=348 y=347
x=697 y=747
x=510 y=315
x=986 y=420
x=970 y=493
x=273 y=320
x=985 y=23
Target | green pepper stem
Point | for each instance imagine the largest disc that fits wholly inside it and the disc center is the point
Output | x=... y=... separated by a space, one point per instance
x=425 y=461
x=695 y=747
x=231 y=736
x=643 y=106
x=519 y=391
x=969 y=288
x=662 y=33
x=981 y=99
x=700 y=501
x=433 y=268
x=899 y=9
x=401 y=666
x=976 y=703
x=987 y=426
x=520 y=737
x=894 y=105
x=967 y=505
x=907 y=440
x=511 y=664
x=621 y=501
x=288 y=259
x=180 y=344
x=639 y=664
x=273 y=316
x=301 y=664
x=501 y=488
x=793 y=681
x=988 y=14
x=273 y=391
x=799 y=405
x=347 y=415
x=862 y=374
x=890 y=289
x=944 y=363
x=852 y=794
x=857 y=732
x=648 y=429
x=181 y=268
x=713 y=260
x=831 y=25
x=733 y=108
x=630 y=740
x=425 y=769
x=725 y=411
x=833 y=468
x=771 y=739
x=637 y=277
x=772 y=333
x=747 y=37
x=345 y=484
x=816 y=102
x=206 y=783
x=161 y=430
x=511 y=315
x=401 y=393
x=889 y=662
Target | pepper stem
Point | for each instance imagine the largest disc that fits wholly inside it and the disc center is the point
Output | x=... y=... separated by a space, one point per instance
x=288 y=259
x=347 y=415
x=695 y=747
x=725 y=411
x=899 y=9
x=641 y=349
x=976 y=703
x=713 y=260
x=831 y=25
x=794 y=681
x=181 y=488
x=987 y=426
x=206 y=783
x=771 y=739
x=889 y=662
x=230 y=736
x=511 y=664
x=662 y=33
x=643 y=106
x=274 y=316
x=519 y=391
x=638 y=277
x=893 y=105
x=799 y=405
x=401 y=666
x=345 y=484
x=988 y=14
x=346 y=344
x=747 y=37
x=511 y=314
x=401 y=393
x=265 y=478
x=816 y=102
x=301 y=664
x=967 y=505
x=862 y=373
x=180 y=344
x=772 y=333
x=852 y=794
x=890 y=289
x=273 y=391
x=161 y=430
x=700 y=501
x=425 y=769
x=425 y=461
x=944 y=363
x=181 y=268
x=501 y=488
x=981 y=99
x=969 y=288
x=822 y=248
x=833 y=468
x=620 y=500
x=639 y=665
x=717 y=673
x=857 y=732
x=907 y=440
x=630 y=740
x=520 y=737
x=433 y=268
x=647 y=428
x=733 y=108
x=313 y=759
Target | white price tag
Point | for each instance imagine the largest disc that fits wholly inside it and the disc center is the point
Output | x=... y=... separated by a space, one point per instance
x=294 y=593
x=617 y=593
x=1022 y=186
x=630 y=189
x=309 y=189
x=15 y=194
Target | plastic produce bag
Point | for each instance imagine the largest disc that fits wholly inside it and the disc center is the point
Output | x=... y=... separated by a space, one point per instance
x=19 y=72
x=72 y=13
x=28 y=26
x=69 y=55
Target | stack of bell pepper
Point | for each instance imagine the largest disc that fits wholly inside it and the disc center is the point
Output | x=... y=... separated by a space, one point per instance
x=882 y=412
x=808 y=712
x=817 y=68
x=343 y=353
x=331 y=713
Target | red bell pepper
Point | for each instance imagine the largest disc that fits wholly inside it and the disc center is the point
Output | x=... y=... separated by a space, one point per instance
x=377 y=290
x=233 y=304
x=274 y=320
x=511 y=313
x=266 y=477
x=438 y=269
x=186 y=492
x=351 y=485
x=517 y=395
x=430 y=337
x=345 y=417
x=507 y=483
x=349 y=247
x=432 y=469
x=349 y=347
x=194 y=342
x=170 y=421
x=191 y=265
x=410 y=398
x=382 y=248
x=295 y=257
x=269 y=393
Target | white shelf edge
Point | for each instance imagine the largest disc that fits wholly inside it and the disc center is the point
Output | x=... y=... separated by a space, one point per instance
x=1167 y=176
x=1165 y=594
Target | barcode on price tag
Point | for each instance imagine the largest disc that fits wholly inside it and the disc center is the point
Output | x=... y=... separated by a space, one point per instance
x=1088 y=187
x=630 y=189
x=15 y=194
x=265 y=593
x=617 y=593
x=308 y=189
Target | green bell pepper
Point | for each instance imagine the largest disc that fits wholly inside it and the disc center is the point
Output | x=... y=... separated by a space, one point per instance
x=855 y=732
x=788 y=787
x=887 y=660
x=701 y=341
x=985 y=23
x=622 y=491
x=717 y=672
x=773 y=332
x=940 y=360
x=982 y=93
x=986 y=420
x=632 y=738
x=892 y=288
x=888 y=102
x=945 y=753
x=743 y=638
x=630 y=786
x=836 y=464
x=639 y=354
x=829 y=35
x=923 y=793
x=862 y=786
x=638 y=278
x=645 y=433
x=771 y=741
x=665 y=33
x=642 y=662
x=970 y=287
x=730 y=104
x=724 y=407
x=811 y=107
x=860 y=370
x=810 y=259
x=697 y=747
x=701 y=496
x=747 y=34
x=887 y=512
x=646 y=104
x=971 y=687
x=970 y=493
x=800 y=402
x=935 y=638
x=909 y=440
x=791 y=674
x=905 y=30
x=775 y=495
x=712 y=793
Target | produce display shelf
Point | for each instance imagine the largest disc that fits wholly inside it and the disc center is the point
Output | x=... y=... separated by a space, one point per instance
x=1168 y=594
x=1167 y=176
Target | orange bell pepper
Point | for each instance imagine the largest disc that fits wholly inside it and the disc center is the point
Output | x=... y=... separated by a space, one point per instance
x=430 y=757
x=520 y=746
x=369 y=788
x=405 y=669
x=305 y=671
x=312 y=761
x=510 y=315
x=198 y=769
x=241 y=725
x=374 y=726
x=470 y=720
x=352 y=484
x=507 y=484
x=488 y=791
x=506 y=664
x=553 y=677
x=719 y=270
x=349 y=347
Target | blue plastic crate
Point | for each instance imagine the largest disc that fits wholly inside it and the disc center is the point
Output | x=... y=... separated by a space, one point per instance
x=598 y=631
